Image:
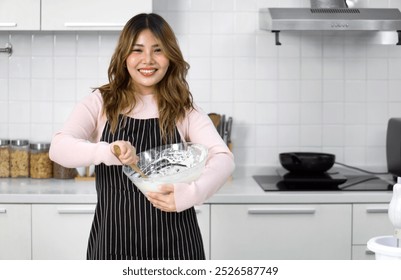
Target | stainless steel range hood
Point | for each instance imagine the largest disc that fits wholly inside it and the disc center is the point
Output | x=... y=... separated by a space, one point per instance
x=330 y=18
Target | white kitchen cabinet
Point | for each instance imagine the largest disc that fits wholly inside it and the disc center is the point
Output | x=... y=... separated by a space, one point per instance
x=20 y=15
x=61 y=231
x=369 y=220
x=304 y=231
x=69 y=15
x=203 y=215
x=15 y=232
x=90 y=14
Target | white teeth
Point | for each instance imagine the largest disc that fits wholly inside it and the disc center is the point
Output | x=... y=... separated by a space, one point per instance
x=147 y=71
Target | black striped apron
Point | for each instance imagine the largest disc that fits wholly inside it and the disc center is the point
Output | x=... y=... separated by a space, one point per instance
x=126 y=225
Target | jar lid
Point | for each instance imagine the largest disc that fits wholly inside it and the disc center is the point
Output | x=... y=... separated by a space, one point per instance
x=39 y=146
x=4 y=142
x=20 y=142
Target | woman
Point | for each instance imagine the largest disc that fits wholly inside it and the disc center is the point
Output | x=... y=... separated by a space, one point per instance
x=147 y=103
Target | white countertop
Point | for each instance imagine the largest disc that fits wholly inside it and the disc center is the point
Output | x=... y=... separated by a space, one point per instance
x=46 y=191
x=241 y=189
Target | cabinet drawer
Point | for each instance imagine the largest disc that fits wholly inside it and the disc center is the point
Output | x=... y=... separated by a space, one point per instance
x=281 y=231
x=61 y=231
x=370 y=220
x=15 y=232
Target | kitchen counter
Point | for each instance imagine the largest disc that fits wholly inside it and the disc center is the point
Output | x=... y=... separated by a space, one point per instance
x=240 y=189
x=46 y=191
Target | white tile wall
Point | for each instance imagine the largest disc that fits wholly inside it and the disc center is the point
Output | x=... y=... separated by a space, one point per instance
x=316 y=92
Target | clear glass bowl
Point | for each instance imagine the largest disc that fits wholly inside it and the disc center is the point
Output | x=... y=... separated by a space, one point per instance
x=174 y=163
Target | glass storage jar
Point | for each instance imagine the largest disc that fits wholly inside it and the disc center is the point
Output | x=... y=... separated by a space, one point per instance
x=61 y=172
x=4 y=158
x=40 y=165
x=19 y=158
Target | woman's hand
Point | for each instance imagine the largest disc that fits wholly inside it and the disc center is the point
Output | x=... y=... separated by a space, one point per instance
x=128 y=152
x=163 y=200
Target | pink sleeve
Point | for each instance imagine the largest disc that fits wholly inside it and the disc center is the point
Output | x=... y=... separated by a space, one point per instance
x=77 y=143
x=198 y=128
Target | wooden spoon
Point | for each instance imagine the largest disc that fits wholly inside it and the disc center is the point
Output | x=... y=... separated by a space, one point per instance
x=135 y=167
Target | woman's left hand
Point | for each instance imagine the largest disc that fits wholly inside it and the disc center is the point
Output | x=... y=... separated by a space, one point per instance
x=163 y=200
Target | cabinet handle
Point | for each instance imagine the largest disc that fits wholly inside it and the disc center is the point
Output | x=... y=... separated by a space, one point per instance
x=92 y=24
x=376 y=210
x=3 y=210
x=253 y=211
x=75 y=211
x=8 y=24
x=369 y=252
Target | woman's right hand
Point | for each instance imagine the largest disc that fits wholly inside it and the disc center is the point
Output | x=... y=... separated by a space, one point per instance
x=128 y=152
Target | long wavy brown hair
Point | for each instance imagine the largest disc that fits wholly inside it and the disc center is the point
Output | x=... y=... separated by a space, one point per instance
x=172 y=92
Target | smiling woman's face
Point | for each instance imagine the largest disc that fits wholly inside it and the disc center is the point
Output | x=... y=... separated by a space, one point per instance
x=147 y=64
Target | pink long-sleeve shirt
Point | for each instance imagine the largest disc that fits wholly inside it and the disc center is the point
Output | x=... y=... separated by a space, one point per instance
x=78 y=144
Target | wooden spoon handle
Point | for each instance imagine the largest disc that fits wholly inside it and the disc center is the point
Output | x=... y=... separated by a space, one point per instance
x=135 y=167
x=138 y=170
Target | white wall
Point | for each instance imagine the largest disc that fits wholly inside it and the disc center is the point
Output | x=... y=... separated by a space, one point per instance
x=316 y=92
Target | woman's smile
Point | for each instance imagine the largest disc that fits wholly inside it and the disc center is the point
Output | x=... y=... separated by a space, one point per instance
x=147 y=71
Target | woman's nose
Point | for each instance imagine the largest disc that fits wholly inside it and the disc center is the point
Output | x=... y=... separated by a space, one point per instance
x=148 y=57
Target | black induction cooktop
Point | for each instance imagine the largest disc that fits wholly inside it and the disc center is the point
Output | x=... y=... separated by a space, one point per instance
x=335 y=181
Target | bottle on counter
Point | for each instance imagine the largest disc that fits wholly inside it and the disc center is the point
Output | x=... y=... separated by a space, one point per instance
x=394 y=211
x=40 y=165
x=4 y=158
x=19 y=158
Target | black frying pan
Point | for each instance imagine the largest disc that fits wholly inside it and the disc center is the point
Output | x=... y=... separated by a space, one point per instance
x=307 y=162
